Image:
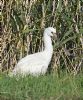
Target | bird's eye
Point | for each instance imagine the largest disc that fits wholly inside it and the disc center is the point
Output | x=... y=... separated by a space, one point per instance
x=52 y=32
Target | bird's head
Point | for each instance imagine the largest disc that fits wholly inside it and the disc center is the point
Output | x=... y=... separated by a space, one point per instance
x=50 y=31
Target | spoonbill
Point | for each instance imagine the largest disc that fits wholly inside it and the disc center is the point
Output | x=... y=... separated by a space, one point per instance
x=37 y=63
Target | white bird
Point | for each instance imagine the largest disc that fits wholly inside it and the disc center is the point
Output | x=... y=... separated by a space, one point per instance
x=37 y=63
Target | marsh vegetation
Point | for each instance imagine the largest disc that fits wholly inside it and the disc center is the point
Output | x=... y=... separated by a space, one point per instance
x=22 y=24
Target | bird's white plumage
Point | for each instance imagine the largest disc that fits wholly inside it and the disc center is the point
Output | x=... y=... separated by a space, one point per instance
x=36 y=64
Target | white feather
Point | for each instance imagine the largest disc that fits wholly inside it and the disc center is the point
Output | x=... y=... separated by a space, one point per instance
x=36 y=64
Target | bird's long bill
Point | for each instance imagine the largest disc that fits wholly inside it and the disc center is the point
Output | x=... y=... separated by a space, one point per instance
x=54 y=37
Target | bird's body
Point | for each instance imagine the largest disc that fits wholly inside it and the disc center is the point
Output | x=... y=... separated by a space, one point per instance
x=36 y=64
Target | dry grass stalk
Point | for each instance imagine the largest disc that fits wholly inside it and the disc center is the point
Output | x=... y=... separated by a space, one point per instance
x=22 y=25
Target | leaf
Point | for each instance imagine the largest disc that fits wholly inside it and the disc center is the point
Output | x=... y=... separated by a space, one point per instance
x=81 y=30
x=68 y=39
x=13 y=23
x=67 y=33
x=18 y=20
x=59 y=6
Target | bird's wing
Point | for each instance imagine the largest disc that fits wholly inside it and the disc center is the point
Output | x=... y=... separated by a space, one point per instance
x=35 y=63
x=32 y=59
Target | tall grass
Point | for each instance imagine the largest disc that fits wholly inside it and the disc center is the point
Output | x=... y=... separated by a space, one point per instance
x=23 y=22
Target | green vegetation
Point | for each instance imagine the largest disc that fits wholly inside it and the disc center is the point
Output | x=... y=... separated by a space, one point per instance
x=48 y=87
x=22 y=24
x=21 y=18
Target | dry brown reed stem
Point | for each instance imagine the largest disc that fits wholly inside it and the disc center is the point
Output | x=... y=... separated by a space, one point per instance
x=23 y=22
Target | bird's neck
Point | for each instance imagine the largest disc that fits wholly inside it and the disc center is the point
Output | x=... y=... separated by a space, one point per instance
x=48 y=44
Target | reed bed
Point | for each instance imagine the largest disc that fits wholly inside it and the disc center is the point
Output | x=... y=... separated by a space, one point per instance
x=22 y=24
